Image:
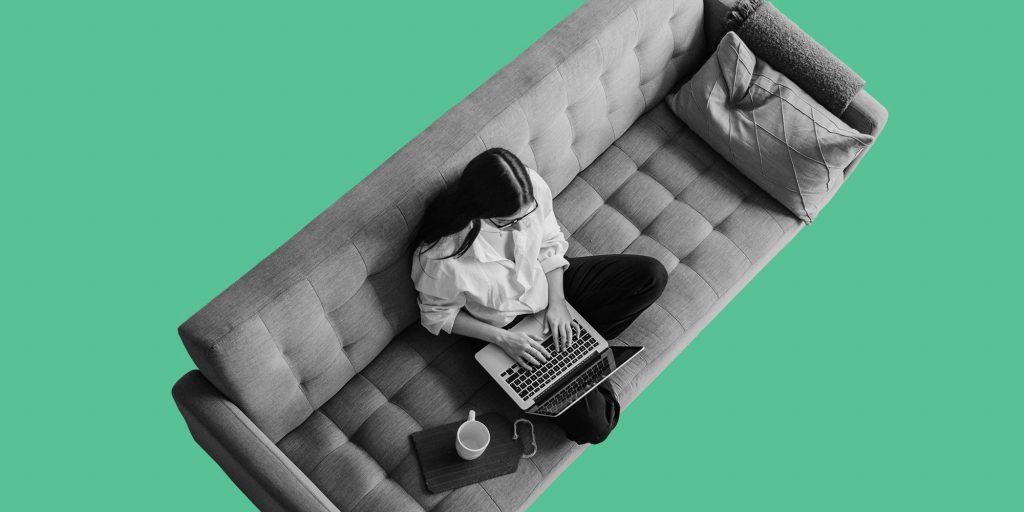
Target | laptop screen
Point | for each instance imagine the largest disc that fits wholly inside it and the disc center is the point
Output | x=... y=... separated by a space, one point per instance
x=587 y=378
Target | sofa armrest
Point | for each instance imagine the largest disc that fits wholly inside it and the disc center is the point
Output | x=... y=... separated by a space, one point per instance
x=866 y=115
x=254 y=463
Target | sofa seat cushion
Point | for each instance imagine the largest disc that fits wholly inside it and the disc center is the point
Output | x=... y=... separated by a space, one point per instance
x=661 y=190
x=658 y=190
x=356 y=447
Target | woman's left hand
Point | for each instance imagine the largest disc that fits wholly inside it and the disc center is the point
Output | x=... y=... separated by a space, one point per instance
x=559 y=324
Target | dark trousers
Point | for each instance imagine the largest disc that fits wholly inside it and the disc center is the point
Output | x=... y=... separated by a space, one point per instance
x=610 y=291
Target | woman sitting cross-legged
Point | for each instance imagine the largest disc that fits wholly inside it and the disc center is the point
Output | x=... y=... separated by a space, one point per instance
x=489 y=252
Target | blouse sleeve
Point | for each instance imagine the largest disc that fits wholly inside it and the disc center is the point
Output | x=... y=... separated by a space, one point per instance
x=439 y=298
x=553 y=243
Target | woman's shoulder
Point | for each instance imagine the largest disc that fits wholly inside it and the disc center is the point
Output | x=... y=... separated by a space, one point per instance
x=433 y=256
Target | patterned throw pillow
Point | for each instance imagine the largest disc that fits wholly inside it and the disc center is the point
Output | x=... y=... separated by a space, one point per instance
x=768 y=128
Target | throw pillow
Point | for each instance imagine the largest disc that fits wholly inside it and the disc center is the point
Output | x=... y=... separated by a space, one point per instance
x=768 y=127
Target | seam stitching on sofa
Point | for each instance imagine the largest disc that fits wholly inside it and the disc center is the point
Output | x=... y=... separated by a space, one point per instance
x=670 y=314
x=706 y=219
x=259 y=307
x=286 y=361
x=327 y=455
x=357 y=427
x=370 y=455
x=454 y=384
x=447 y=495
x=604 y=89
x=752 y=196
x=328 y=367
x=327 y=316
x=374 y=488
x=443 y=180
x=639 y=65
x=484 y=489
x=743 y=191
x=612 y=194
x=733 y=242
x=355 y=431
x=392 y=402
x=404 y=384
x=436 y=371
x=233 y=325
x=678 y=259
x=408 y=227
x=535 y=85
x=543 y=475
x=654 y=121
x=702 y=278
x=572 y=132
x=663 y=349
x=276 y=452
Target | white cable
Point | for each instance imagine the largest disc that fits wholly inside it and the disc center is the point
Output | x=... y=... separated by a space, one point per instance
x=515 y=435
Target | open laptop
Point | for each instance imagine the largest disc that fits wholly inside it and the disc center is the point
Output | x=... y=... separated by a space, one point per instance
x=567 y=376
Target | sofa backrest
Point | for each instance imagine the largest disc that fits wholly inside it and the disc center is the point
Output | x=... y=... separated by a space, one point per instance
x=292 y=331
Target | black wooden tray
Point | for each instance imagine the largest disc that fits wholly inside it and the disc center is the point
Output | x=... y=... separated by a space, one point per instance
x=442 y=467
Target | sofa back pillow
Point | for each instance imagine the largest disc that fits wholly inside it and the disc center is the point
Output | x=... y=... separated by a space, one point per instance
x=768 y=127
x=790 y=50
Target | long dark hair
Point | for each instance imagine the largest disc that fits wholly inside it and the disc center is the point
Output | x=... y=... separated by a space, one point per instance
x=494 y=183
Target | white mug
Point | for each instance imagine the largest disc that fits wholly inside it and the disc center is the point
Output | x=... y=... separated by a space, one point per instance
x=472 y=438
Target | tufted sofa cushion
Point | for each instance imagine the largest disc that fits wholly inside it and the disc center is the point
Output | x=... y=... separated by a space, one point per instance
x=317 y=355
x=657 y=190
x=290 y=333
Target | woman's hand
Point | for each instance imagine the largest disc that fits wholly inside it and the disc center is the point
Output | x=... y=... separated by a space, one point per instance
x=524 y=348
x=559 y=323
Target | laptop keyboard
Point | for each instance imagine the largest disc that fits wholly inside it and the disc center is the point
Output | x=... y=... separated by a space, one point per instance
x=528 y=383
x=569 y=393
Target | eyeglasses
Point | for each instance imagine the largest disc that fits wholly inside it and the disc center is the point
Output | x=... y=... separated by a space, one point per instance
x=515 y=221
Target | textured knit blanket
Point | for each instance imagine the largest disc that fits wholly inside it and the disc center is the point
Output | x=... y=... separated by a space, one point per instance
x=775 y=38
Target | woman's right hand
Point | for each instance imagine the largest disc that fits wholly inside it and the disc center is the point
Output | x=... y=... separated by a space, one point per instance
x=524 y=348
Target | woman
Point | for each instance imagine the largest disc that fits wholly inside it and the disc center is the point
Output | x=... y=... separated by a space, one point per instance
x=489 y=252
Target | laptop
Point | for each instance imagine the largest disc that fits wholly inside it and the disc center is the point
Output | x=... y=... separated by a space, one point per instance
x=567 y=376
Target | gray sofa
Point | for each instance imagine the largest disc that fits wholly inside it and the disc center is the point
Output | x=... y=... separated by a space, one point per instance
x=313 y=368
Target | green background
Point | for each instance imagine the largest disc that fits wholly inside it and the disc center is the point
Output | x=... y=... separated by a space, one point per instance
x=151 y=153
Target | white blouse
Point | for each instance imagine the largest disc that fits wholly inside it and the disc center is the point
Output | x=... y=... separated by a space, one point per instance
x=488 y=285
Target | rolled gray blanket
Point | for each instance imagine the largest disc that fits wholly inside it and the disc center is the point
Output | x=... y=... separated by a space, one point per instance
x=787 y=48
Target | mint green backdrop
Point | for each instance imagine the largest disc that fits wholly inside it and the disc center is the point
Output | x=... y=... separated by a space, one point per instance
x=151 y=153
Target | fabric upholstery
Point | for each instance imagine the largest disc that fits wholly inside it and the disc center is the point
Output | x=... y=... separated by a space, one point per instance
x=292 y=331
x=658 y=190
x=864 y=114
x=269 y=478
x=715 y=15
x=783 y=44
x=315 y=368
x=766 y=125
